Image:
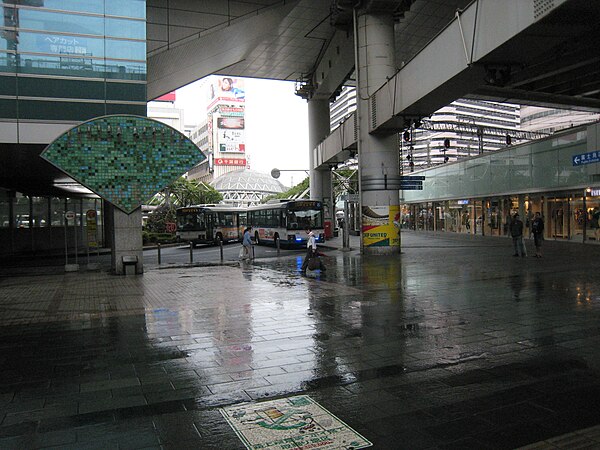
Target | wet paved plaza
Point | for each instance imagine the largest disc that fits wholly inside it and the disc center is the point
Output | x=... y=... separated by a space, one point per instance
x=452 y=344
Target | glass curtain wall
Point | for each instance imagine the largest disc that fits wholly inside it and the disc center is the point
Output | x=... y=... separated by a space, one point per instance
x=88 y=55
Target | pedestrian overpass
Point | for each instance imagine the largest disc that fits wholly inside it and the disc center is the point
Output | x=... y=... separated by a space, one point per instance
x=407 y=59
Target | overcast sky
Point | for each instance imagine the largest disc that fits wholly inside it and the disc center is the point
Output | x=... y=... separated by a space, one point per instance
x=276 y=125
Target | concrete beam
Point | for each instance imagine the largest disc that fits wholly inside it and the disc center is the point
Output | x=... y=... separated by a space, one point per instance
x=335 y=65
x=211 y=52
x=454 y=63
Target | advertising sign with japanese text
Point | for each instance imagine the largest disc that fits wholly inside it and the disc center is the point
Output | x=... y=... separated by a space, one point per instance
x=380 y=226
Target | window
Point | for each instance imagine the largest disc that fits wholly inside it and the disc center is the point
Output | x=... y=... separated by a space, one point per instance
x=21 y=211
x=4 y=209
x=57 y=212
x=39 y=207
x=74 y=205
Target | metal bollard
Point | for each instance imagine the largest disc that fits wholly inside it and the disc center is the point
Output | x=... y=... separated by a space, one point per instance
x=191 y=252
x=221 y=248
x=158 y=252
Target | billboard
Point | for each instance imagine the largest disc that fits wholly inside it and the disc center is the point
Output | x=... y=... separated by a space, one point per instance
x=226 y=123
x=170 y=97
x=226 y=88
x=380 y=226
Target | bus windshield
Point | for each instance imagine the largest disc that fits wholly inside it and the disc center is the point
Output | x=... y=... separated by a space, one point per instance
x=299 y=219
x=191 y=221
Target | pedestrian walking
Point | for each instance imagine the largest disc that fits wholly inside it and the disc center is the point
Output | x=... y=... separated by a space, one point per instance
x=311 y=253
x=247 y=244
x=595 y=222
x=516 y=231
x=537 y=228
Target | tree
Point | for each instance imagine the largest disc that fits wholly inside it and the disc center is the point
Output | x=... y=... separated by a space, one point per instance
x=344 y=181
x=292 y=192
x=182 y=192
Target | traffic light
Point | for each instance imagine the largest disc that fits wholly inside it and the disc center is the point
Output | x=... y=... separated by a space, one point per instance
x=508 y=139
x=446 y=143
x=406 y=136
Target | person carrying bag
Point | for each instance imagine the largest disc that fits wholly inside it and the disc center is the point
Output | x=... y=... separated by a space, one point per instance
x=312 y=260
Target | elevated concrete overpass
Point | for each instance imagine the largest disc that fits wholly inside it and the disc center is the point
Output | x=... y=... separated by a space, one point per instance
x=407 y=58
x=544 y=56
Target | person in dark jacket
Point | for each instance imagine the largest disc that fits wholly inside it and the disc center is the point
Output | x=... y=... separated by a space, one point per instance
x=516 y=231
x=311 y=252
x=537 y=228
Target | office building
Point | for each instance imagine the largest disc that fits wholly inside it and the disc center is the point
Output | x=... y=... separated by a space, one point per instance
x=61 y=63
x=221 y=136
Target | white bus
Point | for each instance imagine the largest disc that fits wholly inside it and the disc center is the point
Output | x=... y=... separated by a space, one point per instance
x=286 y=221
x=210 y=224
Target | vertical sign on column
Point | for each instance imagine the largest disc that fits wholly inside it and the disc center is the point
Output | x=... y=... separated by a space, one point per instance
x=91 y=222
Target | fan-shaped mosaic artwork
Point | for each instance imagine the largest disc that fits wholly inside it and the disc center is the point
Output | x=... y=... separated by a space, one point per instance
x=124 y=159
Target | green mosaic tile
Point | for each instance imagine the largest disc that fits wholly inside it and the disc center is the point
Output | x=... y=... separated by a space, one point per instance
x=123 y=159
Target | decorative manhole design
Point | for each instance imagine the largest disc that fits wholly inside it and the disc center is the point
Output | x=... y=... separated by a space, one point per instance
x=293 y=423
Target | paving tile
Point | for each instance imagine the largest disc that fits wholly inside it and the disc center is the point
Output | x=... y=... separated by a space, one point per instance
x=432 y=345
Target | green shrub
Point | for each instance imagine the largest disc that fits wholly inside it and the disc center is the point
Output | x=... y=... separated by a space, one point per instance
x=155 y=238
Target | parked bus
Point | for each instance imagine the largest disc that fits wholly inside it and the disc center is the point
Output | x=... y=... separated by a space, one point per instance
x=286 y=221
x=210 y=224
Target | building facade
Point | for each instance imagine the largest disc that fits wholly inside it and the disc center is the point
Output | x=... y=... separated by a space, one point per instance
x=221 y=136
x=61 y=62
x=459 y=130
x=558 y=176
x=246 y=187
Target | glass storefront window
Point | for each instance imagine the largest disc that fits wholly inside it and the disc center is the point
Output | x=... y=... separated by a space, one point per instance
x=559 y=211
x=4 y=209
x=21 y=211
x=593 y=215
x=578 y=219
x=39 y=207
x=57 y=212
x=74 y=205
x=478 y=217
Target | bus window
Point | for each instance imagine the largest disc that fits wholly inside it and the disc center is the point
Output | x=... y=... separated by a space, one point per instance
x=303 y=219
x=292 y=221
x=201 y=221
x=186 y=221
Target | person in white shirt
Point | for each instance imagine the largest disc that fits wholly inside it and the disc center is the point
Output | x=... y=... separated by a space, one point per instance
x=311 y=252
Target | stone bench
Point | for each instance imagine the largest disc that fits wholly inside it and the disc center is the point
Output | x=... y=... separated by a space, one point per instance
x=129 y=260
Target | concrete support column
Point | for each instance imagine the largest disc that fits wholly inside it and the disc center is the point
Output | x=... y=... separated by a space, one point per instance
x=320 y=180
x=377 y=155
x=126 y=240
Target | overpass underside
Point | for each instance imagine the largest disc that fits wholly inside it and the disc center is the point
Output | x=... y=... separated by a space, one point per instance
x=524 y=52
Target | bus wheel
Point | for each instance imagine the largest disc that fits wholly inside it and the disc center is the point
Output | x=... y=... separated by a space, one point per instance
x=256 y=239
x=218 y=239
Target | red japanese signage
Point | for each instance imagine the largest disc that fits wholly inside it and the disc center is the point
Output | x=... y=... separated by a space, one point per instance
x=230 y=161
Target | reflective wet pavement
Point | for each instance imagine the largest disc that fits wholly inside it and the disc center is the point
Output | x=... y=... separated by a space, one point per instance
x=453 y=344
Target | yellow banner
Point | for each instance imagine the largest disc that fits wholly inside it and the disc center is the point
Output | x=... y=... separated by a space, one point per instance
x=381 y=226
